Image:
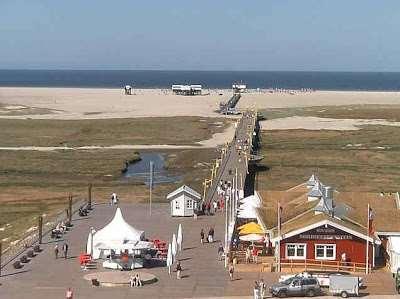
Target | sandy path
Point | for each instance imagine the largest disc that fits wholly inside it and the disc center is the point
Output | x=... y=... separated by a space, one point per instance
x=318 y=123
x=216 y=140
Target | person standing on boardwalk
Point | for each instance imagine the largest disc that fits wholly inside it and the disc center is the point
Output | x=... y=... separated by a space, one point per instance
x=202 y=236
x=69 y=294
x=65 y=249
x=178 y=270
x=231 y=270
x=211 y=233
x=56 y=251
x=220 y=251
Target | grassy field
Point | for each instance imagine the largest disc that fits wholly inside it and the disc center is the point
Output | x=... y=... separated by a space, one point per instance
x=33 y=182
x=104 y=132
x=363 y=160
x=388 y=112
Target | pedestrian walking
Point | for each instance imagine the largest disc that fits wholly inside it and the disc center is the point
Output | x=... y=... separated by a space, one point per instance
x=231 y=270
x=202 y=236
x=56 y=251
x=214 y=207
x=65 y=249
x=248 y=253
x=256 y=290
x=178 y=270
x=211 y=234
x=220 y=251
x=69 y=294
x=263 y=288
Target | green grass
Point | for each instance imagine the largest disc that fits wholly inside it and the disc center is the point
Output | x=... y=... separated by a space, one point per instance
x=388 y=112
x=105 y=132
x=293 y=155
x=34 y=182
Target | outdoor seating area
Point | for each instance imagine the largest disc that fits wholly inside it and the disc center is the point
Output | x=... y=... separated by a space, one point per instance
x=60 y=229
x=162 y=249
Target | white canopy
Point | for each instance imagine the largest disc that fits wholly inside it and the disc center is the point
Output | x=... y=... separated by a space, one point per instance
x=117 y=235
x=393 y=249
x=252 y=238
x=253 y=200
x=248 y=206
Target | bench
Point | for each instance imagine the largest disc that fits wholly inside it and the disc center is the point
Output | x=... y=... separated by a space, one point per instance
x=17 y=265
x=24 y=259
x=30 y=253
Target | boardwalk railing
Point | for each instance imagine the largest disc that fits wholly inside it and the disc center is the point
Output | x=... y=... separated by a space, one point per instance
x=320 y=265
x=31 y=236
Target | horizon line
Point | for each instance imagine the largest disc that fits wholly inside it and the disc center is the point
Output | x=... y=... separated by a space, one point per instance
x=192 y=70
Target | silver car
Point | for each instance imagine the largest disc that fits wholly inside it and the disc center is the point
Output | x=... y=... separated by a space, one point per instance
x=296 y=286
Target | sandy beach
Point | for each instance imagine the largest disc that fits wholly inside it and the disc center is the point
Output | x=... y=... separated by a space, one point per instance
x=91 y=103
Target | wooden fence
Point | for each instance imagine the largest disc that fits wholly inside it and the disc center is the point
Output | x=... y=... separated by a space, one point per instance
x=321 y=265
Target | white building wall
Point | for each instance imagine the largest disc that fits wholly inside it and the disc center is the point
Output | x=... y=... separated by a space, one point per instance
x=178 y=202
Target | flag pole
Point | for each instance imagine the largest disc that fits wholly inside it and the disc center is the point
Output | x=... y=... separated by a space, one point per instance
x=151 y=183
x=367 y=247
x=279 y=236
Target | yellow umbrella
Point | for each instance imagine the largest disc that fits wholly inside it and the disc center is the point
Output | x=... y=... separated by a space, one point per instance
x=251 y=228
x=244 y=225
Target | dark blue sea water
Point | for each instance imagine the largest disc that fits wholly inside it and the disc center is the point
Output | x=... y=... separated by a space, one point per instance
x=209 y=79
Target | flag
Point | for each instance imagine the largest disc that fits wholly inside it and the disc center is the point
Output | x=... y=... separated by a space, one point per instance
x=151 y=182
x=280 y=209
x=371 y=216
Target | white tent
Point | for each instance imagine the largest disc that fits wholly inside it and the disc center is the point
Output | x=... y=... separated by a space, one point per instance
x=248 y=206
x=117 y=235
x=393 y=249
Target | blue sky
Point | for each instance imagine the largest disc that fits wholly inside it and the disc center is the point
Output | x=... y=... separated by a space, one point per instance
x=320 y=35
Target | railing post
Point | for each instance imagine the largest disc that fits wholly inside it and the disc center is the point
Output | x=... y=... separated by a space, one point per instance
x=89 y=204
x=40 y=228
x=354 y=267
x=1 y=249
x=70 y=208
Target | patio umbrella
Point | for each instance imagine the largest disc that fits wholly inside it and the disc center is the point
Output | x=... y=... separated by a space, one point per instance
x=174 y=246
x=180 y=237
x=251 y=228
x=169 y=258
x=252 y=238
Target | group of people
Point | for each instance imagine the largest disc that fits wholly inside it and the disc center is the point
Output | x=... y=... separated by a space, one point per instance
x=251 y=254
x=135 y=281
x=64 y=249
x=210 y=236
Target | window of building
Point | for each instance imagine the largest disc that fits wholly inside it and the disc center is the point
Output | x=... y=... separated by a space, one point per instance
x=177 y=205
x=189 y=204
x=325 y=251
x=296 y=251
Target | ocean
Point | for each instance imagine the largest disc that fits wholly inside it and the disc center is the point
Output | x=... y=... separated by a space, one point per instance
x=369 y=81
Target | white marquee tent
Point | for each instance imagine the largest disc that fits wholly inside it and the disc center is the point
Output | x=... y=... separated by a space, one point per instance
x=117 y=235
x=248 y=206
